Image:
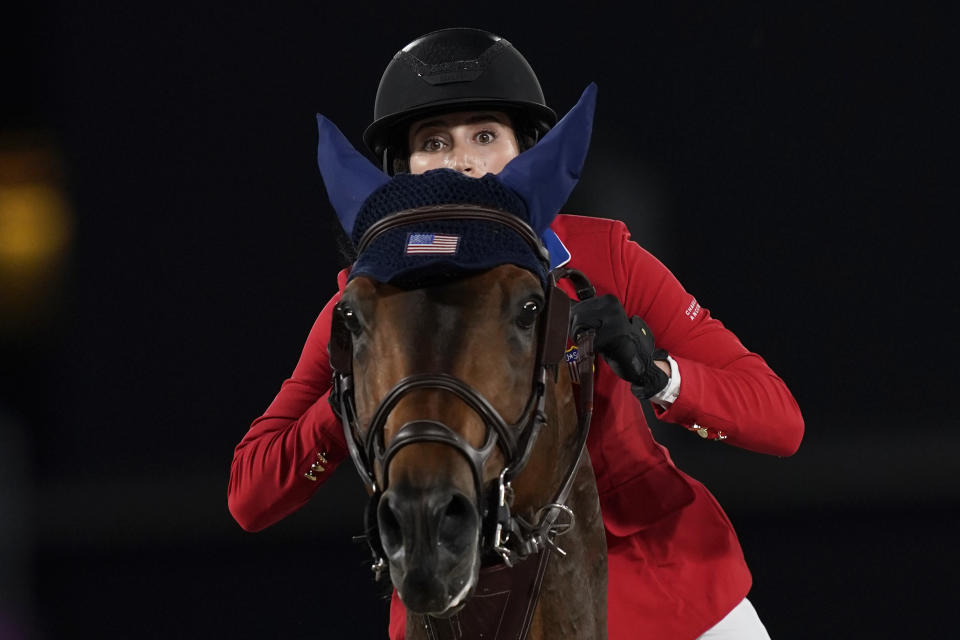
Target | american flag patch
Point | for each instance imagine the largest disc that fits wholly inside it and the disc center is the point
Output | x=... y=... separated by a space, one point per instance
x=431 y=244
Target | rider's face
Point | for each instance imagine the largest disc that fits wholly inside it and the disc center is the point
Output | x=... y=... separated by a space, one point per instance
x=472 y=142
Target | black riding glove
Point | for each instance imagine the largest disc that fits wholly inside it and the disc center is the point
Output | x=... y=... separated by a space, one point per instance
x=626 y=345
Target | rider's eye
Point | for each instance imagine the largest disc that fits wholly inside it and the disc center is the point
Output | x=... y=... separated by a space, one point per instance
x=350 y=319
x=486 y=137
x=528 y=314
x=432 y=144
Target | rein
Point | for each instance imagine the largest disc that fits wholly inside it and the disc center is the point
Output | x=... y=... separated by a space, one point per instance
x=523 y=547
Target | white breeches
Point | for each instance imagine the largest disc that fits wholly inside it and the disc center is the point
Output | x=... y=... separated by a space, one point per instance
x=742 y=623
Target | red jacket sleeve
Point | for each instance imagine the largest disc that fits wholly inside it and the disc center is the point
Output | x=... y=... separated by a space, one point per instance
x=724 y=388
x=267 y=479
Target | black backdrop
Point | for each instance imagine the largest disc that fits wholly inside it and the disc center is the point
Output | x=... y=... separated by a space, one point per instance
x=790 y=165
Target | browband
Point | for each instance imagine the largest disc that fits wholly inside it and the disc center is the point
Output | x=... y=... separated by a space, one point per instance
x=455 y=212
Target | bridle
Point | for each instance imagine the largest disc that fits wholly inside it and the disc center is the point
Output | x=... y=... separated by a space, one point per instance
x=509 y=535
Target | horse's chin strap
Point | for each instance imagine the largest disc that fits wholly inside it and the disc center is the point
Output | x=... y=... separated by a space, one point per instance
x=501 y=608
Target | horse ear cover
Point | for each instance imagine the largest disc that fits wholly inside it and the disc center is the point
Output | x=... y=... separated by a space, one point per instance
x=347 y=174
x=545 y=175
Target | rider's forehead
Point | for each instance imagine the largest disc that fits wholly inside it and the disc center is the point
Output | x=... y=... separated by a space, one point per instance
x=459 y=118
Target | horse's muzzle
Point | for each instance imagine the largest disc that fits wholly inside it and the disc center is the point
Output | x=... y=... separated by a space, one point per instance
x=431 y=539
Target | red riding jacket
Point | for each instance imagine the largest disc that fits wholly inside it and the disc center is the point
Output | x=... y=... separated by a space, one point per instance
x=675 y=565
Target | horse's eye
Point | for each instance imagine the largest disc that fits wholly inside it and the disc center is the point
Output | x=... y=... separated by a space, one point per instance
x=528 y=314
x=350 y=319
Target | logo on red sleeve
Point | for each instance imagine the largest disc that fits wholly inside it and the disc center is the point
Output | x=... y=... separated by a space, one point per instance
x=693 y=310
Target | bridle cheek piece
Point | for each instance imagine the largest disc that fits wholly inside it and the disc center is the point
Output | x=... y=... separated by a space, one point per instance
x=509 y=535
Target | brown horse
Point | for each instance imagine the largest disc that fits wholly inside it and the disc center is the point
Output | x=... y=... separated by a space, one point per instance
x=467 y=437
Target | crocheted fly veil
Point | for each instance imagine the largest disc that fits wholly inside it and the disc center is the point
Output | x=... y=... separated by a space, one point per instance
x=532 y=187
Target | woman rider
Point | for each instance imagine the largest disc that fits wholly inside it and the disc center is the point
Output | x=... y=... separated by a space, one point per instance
x=467 y=100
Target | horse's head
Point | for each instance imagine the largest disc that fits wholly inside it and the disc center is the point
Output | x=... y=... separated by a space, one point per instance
x=442 y=346
x=483 y=331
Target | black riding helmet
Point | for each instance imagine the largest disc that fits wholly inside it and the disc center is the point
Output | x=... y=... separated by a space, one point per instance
x=452 y=70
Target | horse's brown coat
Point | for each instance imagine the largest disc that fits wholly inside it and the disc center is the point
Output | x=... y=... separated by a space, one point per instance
x=468 y=328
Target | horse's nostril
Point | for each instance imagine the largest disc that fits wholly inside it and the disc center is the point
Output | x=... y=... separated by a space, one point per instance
x=448 y=515
x=458 y=525
x=391 y=534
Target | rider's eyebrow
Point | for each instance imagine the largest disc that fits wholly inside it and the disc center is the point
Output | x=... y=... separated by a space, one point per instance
x=479 y=118
x=484 y=117
x=428 y=124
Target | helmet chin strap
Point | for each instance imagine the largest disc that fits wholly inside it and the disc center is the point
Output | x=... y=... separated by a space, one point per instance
x=386 y=160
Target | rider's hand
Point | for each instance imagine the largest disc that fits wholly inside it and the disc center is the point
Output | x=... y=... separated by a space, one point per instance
x=626 y=345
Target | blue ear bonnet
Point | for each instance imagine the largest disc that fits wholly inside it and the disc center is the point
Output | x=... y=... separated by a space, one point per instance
x=415 y=254
x=532 y=187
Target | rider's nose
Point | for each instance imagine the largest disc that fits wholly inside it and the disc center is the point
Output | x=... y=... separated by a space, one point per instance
x=461 y=162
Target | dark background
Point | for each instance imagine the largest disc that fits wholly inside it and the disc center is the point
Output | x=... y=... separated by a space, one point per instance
x=789 y=165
